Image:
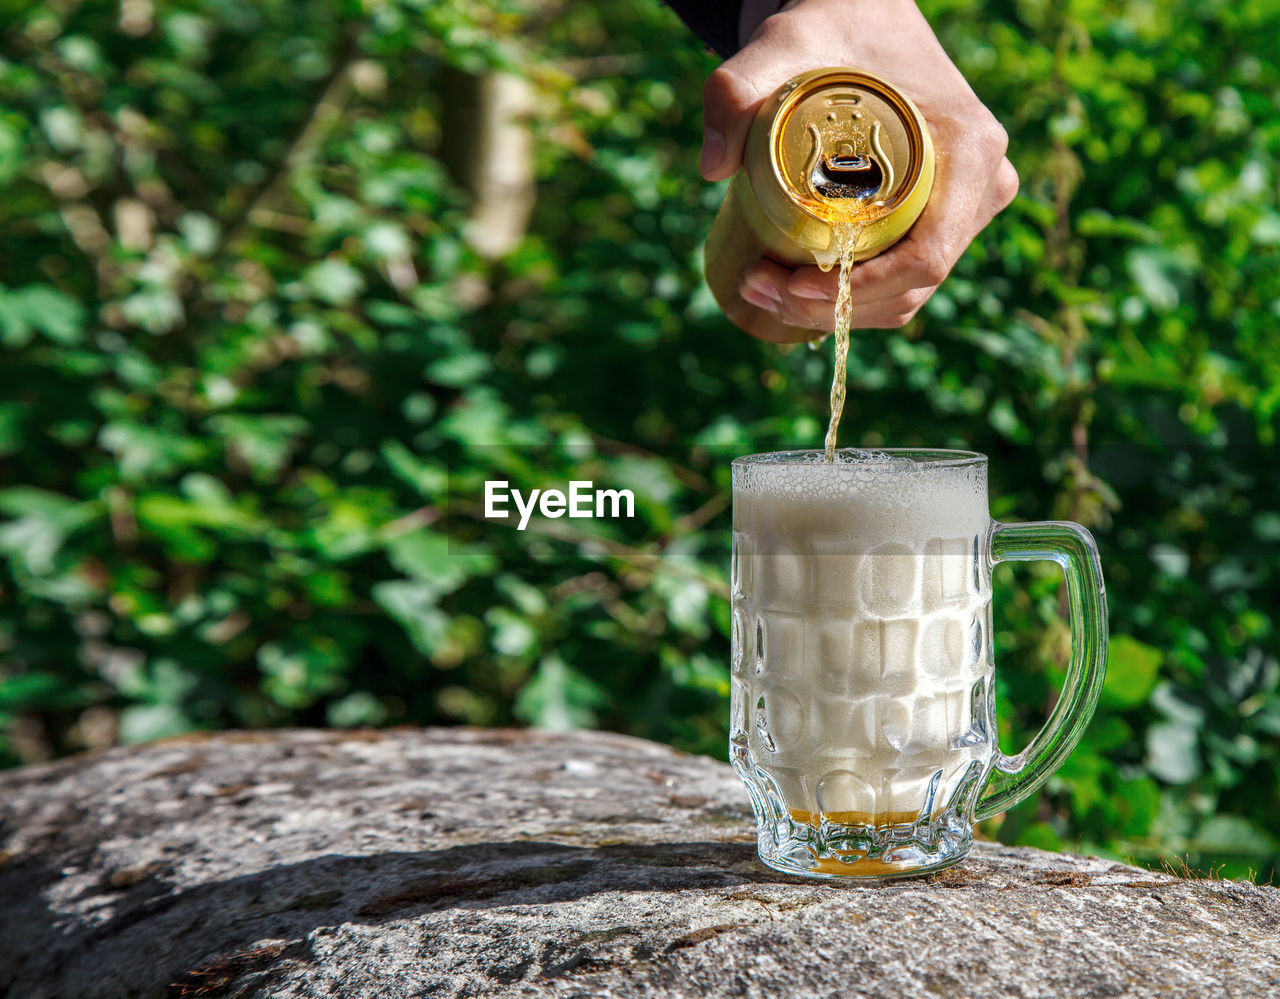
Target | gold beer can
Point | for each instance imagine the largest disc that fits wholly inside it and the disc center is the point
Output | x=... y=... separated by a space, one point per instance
x=831 y=146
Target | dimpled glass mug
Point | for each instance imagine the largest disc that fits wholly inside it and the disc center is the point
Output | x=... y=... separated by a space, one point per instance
x=863 y=714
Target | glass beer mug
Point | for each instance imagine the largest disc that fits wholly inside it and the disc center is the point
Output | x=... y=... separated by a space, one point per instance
x=862 y=706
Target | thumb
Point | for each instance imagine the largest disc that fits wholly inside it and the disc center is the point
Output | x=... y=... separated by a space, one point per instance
x=730 y=99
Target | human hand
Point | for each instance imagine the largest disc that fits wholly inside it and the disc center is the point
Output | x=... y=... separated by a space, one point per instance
x=973 y=181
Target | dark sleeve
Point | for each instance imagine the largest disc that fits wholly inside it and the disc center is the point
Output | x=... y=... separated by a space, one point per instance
x=714 y=21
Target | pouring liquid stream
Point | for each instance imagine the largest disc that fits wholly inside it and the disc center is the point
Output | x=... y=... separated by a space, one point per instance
x=845 y=237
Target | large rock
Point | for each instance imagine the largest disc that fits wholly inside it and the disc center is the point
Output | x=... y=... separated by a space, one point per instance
x=454 y=862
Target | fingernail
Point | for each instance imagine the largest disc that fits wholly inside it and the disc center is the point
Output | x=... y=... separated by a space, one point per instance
x=712 y=150
x=762 y=286
x=807 y=291
x=754 y=297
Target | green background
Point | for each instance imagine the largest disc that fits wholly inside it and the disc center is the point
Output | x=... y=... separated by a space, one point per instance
x=253 y=375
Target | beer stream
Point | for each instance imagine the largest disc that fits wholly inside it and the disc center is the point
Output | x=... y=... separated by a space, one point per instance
x=845 y=236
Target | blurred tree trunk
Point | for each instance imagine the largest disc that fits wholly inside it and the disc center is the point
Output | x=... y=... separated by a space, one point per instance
x=488 y=148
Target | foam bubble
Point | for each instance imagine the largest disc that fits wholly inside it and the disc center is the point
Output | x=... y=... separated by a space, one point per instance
x=866 y=456
x=848 y=456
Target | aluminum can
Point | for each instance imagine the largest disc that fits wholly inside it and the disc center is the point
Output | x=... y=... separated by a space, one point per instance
x=830 y=146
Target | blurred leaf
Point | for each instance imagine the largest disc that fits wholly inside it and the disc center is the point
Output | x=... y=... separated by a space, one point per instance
x=147 y=452
x=512 y=634
x=298 y=675
x=335 y=281
x=1139 y=806
x=145 y=722
x=413 y=605
x=1132 y=671
x=356 y=709
x=558 y=698
x=1172 y=752
x=263 y=441
x=1234 y=835
x=39 y=307
x=426 y=556
x=425 y=477
x=43 y=522
x=29 y=689
x=1042 y=836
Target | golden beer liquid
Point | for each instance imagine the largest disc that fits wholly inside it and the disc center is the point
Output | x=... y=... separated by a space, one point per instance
x=846 y=236
x=866 y=866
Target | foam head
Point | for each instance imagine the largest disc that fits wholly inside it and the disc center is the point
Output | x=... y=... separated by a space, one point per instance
x=902 y=494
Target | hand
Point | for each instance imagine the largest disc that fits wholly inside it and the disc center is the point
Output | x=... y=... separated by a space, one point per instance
x=973 y=181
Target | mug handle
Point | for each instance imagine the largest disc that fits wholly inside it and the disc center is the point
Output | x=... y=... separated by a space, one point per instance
x=1013 y=778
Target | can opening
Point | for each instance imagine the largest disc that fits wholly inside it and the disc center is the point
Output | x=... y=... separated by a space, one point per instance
x=847 y=176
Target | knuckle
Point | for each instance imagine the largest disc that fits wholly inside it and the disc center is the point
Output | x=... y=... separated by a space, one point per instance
x=887 y=321
x=932 y=263
x=816 y=319
x=809 y=313
x=812 y=287
x=901 y=309
x=911 y=302
x=994 y=139
x=793 y=317
x=1007 y=183
x=778 y=27
x=726 y=87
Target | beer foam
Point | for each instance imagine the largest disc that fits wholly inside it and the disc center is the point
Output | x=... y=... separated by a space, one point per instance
x=947 y=485
x=851 y=456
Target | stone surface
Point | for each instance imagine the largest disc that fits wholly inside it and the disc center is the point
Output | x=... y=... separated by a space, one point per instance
x=454 y=862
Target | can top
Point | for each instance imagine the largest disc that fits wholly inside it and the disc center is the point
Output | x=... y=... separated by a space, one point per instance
x=847 y=145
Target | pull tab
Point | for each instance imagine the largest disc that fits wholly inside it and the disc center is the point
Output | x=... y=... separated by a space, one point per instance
x=847 y=175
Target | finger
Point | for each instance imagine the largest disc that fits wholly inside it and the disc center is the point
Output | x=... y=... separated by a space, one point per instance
x=730 y=98
x=808 y=282
x=890 y=313
x=895 y=312
x=759 y=299
x=737 y=87
x=767 y=277
x=766 y=285
x=763 y=285
x=814 y=283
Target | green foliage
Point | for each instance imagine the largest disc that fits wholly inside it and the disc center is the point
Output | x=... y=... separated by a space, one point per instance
x=255 y=374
